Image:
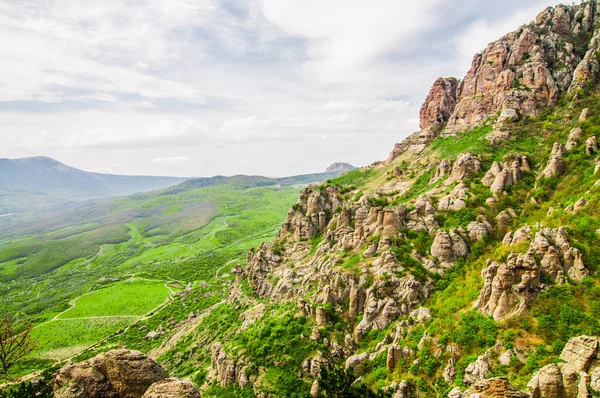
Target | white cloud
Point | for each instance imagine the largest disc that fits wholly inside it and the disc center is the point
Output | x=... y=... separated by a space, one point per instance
x=343 y=34
x=235 y=86
x=171 y=160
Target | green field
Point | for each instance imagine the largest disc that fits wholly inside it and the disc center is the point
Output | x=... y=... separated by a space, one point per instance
x=132 y=297
x=63 y=338
x=97 y=315
x=75 y=283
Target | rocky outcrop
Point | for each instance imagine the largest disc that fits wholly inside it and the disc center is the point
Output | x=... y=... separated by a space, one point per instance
x=478 y=229
x=591 y=146
x=479 y=370
x=224 y=370
x=556 y=164
x=499 y=176
x=448 y=247
x=414 y=143
x=508 y=288
x=497 y=387
x=440 y=103
x=114 y=374
x=573 y=140
x=570 y=378
x=455 y=200
x=465 y=166
x=519 y=71
x=172 y=388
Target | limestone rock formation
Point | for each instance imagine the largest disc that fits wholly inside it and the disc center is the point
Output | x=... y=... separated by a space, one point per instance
x=448 y=247
x=497 y=387
x=517 y=71
x=508 y=288
x=573 y=140
x=572 y=377
x=172 y=388
x=479 y=370
x=114 y=374
x=591 y=146
x=556 y=165
x=222 y=369
x=499 y=176
x=440 y=103
x=466 y=165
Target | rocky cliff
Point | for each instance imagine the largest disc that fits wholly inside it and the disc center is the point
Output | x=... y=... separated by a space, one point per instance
x=525 y=71
x=375 y=253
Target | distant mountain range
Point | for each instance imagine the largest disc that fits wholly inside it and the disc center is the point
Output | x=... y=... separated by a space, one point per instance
x=340 y=167
x=39 y=182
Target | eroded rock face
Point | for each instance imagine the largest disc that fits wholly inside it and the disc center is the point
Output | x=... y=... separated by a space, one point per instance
x=573 y=140
x=518 y=71
x=114 y=374
x=448 y=247
x=224 y=370
x=466 y=165
x=508 y=288
x=580 y=352
x=499 y=176
x=440 y=103
x=572 y=377
x=479 y=370
x=497 y=387
x=172 y=388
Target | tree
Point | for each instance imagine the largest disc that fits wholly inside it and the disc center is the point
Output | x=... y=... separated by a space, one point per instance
x=341 y=383
x=15 y=344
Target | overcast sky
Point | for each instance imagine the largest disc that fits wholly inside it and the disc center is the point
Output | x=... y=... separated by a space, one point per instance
x=205 y=87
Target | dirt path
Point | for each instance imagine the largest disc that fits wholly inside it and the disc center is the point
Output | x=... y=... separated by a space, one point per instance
x=226 y=264
x=95 y=255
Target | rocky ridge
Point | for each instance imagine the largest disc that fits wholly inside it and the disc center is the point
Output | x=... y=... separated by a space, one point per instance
x=353 y=252
x=422 y=272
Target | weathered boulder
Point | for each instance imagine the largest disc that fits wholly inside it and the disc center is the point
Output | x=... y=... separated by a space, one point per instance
x=591 y=145
x=508 y=288
x=508 y=173
x=477 y=230
x=114 y=374
x=455 y=200
x=478 y=370
x=579 y=352
x=466 y=165
x=506 y=116
x=447 y=247
x=570 y=378
x=172 y=388
x=497 y=387
x=442 y=170
x=573 y=140
x=556 y=164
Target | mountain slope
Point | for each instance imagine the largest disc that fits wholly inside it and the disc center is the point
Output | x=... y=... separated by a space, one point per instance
x=466 y=263
x=470 y=252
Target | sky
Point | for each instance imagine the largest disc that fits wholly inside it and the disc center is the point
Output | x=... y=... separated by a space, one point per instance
x=207 y=87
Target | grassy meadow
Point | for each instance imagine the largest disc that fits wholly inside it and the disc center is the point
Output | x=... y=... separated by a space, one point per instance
x=109 y=263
